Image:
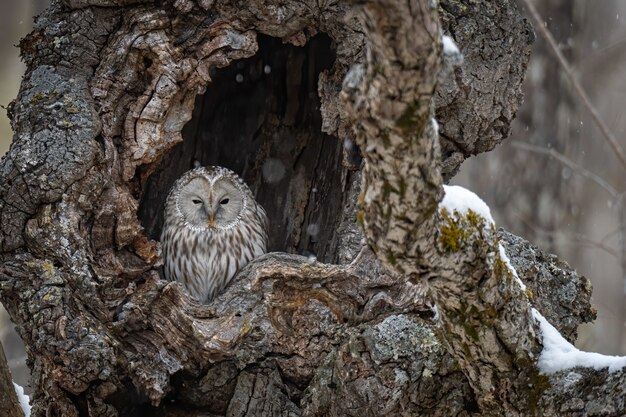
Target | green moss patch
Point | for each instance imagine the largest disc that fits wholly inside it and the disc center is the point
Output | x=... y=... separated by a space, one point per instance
x=457 y=228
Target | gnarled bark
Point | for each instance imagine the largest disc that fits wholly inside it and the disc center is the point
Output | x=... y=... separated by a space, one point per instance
x=295 y=94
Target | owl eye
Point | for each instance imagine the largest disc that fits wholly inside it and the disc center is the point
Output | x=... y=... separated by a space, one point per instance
x=224 y=201
x=196 y=201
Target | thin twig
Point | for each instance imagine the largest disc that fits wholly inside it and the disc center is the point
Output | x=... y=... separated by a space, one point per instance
x=610 y=234
x=569 y=163
x=576 y=238
x=606 y=133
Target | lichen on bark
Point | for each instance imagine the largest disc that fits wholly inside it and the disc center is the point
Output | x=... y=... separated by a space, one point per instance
x=109 y=90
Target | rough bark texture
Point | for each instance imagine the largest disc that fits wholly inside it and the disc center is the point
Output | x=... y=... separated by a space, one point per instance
x=103 y=108
x=477 y=103
x=557 y=291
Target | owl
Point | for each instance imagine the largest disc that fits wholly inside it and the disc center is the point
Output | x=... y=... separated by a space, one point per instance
x=212 y=228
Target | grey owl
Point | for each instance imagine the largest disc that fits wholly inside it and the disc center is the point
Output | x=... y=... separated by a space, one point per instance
x=213 y=227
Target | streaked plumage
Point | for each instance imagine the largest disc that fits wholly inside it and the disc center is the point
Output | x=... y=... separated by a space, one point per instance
x=213 y=227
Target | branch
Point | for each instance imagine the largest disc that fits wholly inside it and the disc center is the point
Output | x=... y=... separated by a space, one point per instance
x=486 y=316
x=606 y=132
x=551 y=283
x=390 y=106
x=576 y=237
x=487 y=324
x=568 y=163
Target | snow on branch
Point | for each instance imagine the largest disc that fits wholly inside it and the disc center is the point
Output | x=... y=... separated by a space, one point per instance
x=23 y=399
x=558 y=354
x=451 y=51
x=449 y=47
x=461 y=200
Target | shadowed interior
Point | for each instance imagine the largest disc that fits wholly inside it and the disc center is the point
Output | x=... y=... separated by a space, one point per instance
x=261 y=118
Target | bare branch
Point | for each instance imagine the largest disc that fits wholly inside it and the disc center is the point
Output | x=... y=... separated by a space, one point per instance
x=610 y=234
x=606 y=133
x=577 y=238
x=569 y=163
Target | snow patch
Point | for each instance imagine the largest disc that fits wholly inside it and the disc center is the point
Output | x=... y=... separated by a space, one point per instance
x=452 y=56
x=23 y=399
x=512 y=270
x=449 y=46
x=461 y=199
x=353 y=78
x=235 y=40
x=558 y=354
x=435 y=125
x=435 y=313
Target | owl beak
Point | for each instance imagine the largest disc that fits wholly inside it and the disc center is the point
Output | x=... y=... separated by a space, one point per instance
x=211 y=219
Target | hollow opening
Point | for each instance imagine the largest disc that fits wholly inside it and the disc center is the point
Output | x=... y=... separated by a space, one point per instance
x=261 y=118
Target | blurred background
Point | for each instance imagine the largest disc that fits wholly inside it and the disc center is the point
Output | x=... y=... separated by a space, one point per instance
x=554 y=181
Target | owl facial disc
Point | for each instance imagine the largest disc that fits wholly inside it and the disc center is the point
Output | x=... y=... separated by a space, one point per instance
x=215 y=203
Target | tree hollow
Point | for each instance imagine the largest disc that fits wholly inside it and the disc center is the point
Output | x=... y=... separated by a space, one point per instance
x=261 y=118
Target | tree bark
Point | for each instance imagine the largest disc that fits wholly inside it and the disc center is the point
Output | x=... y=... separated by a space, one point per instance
x=327 y=110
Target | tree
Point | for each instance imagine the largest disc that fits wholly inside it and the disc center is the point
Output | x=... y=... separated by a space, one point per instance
x=327 y=109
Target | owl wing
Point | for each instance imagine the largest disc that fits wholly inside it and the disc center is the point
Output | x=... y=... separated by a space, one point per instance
x=264 y=222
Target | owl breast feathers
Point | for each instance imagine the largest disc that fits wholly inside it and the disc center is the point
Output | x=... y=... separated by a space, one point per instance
x=213 y=227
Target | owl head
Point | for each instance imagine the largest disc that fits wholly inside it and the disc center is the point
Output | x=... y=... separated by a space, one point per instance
x=210 y=198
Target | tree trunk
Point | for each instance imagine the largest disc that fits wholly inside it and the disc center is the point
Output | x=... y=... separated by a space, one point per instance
x=314 y=104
